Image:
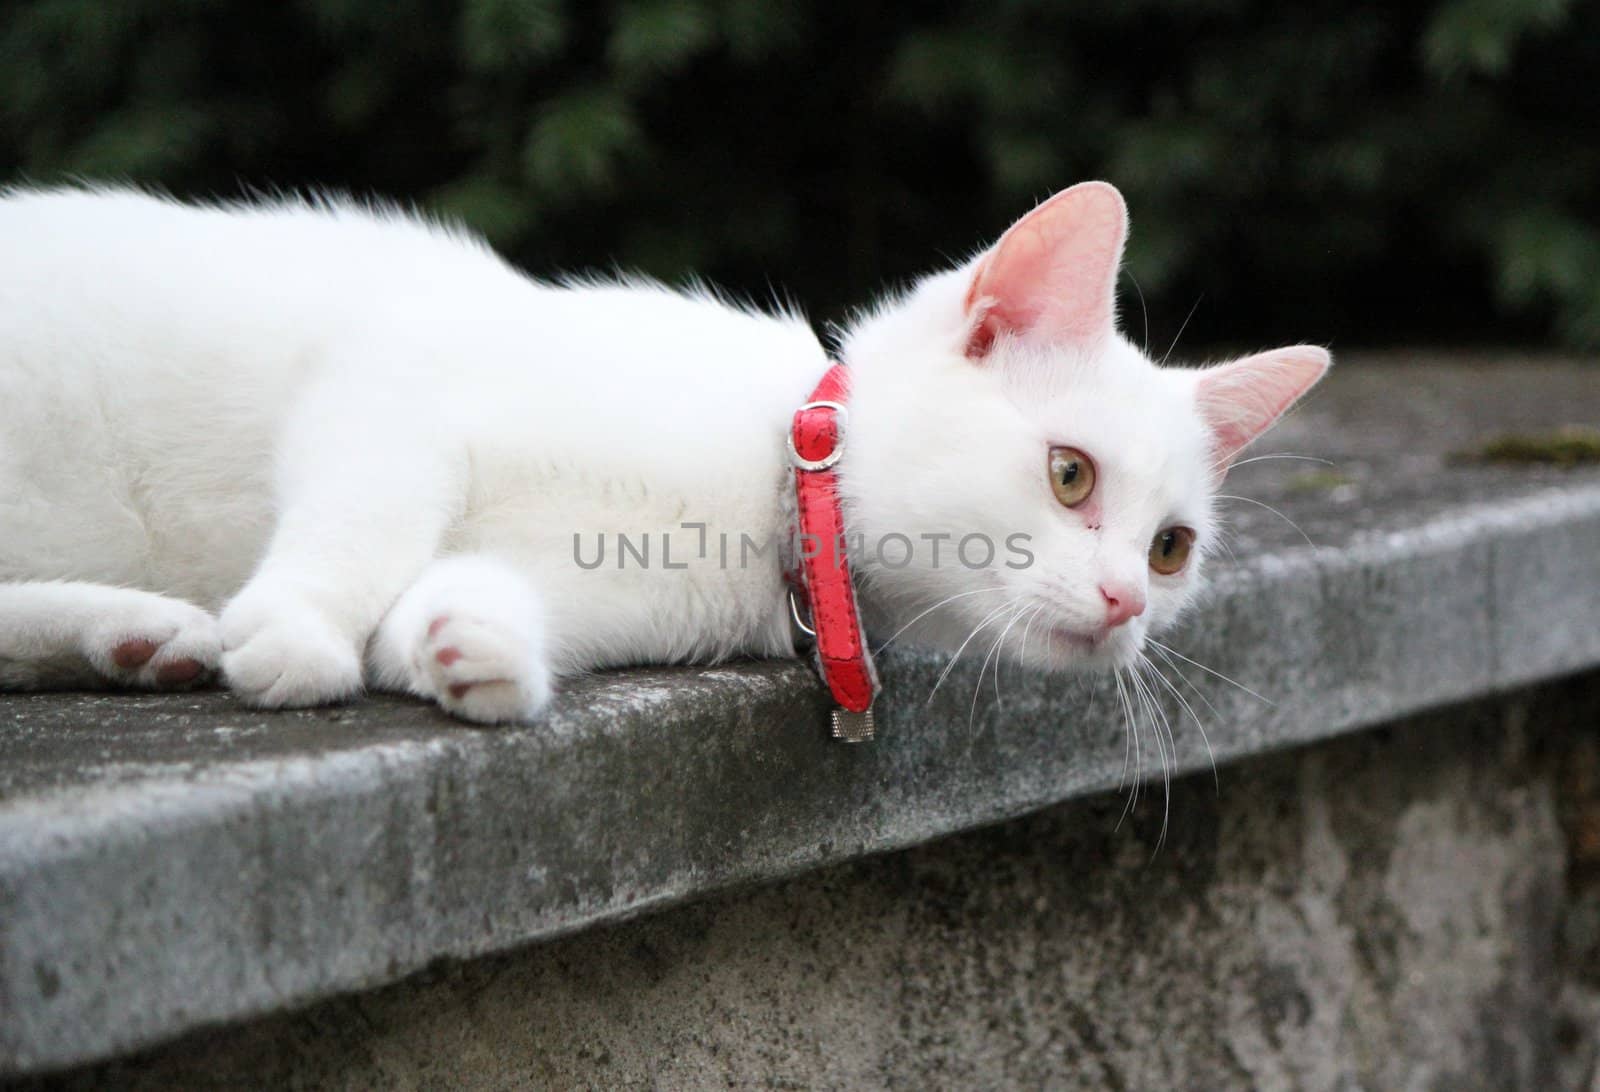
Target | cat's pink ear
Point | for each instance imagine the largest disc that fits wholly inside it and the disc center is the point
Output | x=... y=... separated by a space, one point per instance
x=1053 y=275
x=1241 y=400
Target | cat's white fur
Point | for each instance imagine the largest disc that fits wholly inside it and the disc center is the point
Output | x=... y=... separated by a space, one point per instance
x=368 y=443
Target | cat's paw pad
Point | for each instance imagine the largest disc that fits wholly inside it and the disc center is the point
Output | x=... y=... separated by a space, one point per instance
x=161 y=644
x=481 y=671
x=279 y=652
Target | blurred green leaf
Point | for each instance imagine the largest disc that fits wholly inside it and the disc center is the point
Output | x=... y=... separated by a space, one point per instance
x=1479 y=36
x=1399 y=171
x=140 y=144
x=1545 y=255
x=756 y=29
x=356 y=92
x=938 y=70
x=577 y=142
x=497 y=210
x=658 y=36
x=503 y=34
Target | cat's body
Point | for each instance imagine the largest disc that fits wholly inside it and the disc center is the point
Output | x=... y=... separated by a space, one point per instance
x=363 y=437
x=460 y=397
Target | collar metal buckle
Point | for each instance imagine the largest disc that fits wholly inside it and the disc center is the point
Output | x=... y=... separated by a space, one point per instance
x=842 y=417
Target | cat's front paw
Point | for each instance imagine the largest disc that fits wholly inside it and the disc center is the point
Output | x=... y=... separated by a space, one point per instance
x=279 y=651
x=152 y=642
x=481 y=671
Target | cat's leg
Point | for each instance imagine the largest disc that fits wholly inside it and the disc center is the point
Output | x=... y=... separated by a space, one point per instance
x=468 y=634
x=57 y=634
x=366 y=487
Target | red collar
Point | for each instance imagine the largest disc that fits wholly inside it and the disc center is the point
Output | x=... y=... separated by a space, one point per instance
x=822 y=582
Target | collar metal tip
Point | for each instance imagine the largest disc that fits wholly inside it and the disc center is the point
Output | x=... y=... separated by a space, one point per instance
x=853 y=727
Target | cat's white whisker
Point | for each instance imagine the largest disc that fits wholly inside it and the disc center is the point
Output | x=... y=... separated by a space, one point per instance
x=1157 y=724
x=1145 y=668
x=977 y=687
x=1144 y=311
x=998 y=646
x=1264 y=458
x=946 y=601
x=1134 y=715
x=1223 y=531
x=1274 y=511
x=1172 y=753
x=1161 y=651
x=1022 y=654
x=1130 y=744
x=1211 y=671
x=991 y=616
x=1182 y=328
x=1184 y=702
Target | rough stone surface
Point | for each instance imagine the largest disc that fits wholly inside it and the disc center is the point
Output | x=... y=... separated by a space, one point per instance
x=172 y=862
x=1412 y=908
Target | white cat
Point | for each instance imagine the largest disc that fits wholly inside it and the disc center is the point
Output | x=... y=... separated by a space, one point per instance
x=389 y=459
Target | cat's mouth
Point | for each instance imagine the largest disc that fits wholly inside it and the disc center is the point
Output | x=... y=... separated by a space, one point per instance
x=1075 y=647
x=1074 y=641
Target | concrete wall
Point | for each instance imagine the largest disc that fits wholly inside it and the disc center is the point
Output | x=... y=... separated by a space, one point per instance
x=175 y=862
x=1416 y=907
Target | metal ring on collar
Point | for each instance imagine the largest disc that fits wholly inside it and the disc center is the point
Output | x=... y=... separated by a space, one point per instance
x=842 y=414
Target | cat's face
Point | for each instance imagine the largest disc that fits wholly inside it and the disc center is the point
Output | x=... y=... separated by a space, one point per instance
x=1054 y=486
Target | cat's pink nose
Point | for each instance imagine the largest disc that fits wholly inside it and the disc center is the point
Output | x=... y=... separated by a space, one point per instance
x=1123 y=601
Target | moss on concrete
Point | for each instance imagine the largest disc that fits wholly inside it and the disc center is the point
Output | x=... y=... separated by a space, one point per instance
x=1571 y=445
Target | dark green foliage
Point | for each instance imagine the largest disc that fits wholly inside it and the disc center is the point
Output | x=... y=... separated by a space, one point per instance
x=1340 y=172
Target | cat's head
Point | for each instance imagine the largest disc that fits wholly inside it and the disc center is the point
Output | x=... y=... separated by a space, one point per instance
x=1014 y=466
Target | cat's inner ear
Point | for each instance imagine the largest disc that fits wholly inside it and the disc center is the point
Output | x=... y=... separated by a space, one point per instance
x=1239 y=401
x=1053 y=276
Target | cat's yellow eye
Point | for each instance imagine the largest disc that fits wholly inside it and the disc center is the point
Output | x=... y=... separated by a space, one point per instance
x=1169 y=550
x=1071 y=475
